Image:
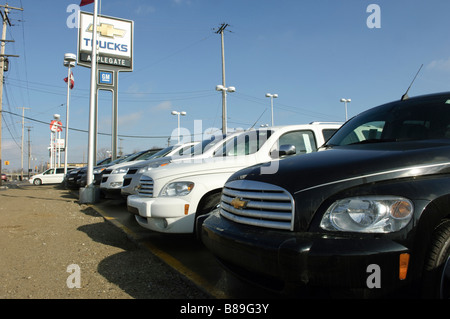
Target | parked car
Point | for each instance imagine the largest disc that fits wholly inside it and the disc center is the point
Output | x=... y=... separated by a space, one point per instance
x=4 y=177
x=73 y=177
x=112 y=177
x=50 y=176
x=205 y=149
x=170 y=198
x=99 y=169
x=368 y=213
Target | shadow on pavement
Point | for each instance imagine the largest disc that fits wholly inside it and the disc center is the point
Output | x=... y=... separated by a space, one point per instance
x=135 y=270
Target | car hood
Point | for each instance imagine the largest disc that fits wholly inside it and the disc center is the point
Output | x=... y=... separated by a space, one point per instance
x=202 y=166
x=354 y=165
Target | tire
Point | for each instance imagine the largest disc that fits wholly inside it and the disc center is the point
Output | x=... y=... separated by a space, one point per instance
x=37 y=182
x=206 y=206
x=438 y=256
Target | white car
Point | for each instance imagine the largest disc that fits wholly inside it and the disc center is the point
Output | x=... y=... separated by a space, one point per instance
x=171 y=198
x=207 y=148
x=50 y=176
x=112 y=178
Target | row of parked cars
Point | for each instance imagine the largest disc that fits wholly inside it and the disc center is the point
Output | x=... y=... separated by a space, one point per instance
x=362 y=208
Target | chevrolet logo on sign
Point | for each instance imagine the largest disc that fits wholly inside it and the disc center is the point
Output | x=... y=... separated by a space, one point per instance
x=239 y=203
x=108 y=30
x=114 y=42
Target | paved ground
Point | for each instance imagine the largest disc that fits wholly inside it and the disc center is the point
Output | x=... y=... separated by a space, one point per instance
x=47 y=239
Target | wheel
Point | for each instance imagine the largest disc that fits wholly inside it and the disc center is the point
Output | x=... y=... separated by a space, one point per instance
x=206 y=206
x=437 y=265
x=37 y=182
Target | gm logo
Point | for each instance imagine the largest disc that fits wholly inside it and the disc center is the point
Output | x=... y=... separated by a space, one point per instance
x=105 y=77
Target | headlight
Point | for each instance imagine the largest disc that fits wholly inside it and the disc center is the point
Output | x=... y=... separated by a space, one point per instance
x=177 y=189
x=368 y=214
x=150 y=167
x=121 y=170
x=98 y=170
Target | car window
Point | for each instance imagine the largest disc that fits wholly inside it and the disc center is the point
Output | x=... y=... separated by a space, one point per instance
x=327 y=133
x=205 y=145
x=50 y=171
x=60 y=171
x=245 y=144
x=364 y=132
x=186 y=151
x=303 y=141
x=398 y=121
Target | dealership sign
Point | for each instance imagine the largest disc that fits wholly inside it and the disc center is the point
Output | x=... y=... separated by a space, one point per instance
x=114 y=42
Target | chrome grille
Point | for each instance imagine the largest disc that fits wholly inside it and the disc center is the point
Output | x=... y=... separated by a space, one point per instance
x=258 y=204
x=146 y=186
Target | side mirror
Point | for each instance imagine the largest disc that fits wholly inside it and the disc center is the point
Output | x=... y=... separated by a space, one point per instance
x=285 y=150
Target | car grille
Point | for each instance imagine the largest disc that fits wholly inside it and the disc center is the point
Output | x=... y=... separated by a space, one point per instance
x=257 y=204
x=107 y=171
x=146 y=186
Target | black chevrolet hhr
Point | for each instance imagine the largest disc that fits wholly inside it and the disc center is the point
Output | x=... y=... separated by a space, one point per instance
x=368 y=214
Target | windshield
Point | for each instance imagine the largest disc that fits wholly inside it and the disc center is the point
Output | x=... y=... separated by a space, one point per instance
x=147 y=155
x=163 y=152
x=245 y=144
x=120 y=159
x=416 y=119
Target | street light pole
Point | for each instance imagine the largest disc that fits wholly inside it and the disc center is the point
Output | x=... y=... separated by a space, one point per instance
x=346 y=101
x=224 y=90
x=69 y=62
x=224 y=93
x=178 y=114
x=272 y=96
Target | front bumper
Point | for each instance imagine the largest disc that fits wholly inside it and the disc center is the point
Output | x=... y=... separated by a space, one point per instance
x=111 y=185
x=162 y=214
x=130 y=181
x=287 y=259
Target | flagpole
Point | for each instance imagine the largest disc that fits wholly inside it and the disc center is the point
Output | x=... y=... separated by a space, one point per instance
x=69 y=61
x=90 y=166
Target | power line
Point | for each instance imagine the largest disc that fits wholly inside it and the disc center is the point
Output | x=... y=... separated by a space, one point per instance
x=80 y=130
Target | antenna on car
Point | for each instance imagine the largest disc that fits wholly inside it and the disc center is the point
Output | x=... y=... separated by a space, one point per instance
x=257 y=120
x=405 y=96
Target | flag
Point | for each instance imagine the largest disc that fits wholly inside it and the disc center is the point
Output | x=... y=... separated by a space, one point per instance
x=85 y=2
x=72 y=82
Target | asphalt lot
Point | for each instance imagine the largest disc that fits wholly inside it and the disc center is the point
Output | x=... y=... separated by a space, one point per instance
x=183 y=253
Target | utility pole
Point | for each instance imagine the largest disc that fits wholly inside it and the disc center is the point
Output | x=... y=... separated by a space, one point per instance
x=29 y=151
x=2 y=68
x=23 y=122
x=224 y=102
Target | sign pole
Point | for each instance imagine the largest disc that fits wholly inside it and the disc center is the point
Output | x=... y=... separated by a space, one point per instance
x=88 y=195
x=112 y=53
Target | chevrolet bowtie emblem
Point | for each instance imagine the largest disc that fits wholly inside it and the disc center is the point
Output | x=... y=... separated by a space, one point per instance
x=107 y=30
x=238 y=203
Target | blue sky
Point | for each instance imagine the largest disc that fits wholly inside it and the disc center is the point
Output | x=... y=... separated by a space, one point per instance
x=311 y=53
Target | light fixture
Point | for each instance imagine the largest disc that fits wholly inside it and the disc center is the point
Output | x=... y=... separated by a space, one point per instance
x=178 y=114
x=271 y=96
x=346 y=101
